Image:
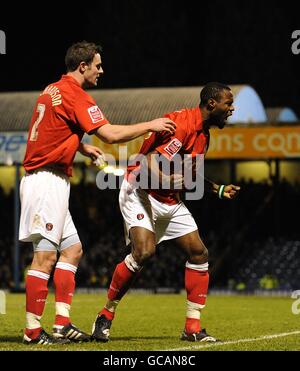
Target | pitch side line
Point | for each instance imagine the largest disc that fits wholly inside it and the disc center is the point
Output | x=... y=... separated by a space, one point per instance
x=266 y=337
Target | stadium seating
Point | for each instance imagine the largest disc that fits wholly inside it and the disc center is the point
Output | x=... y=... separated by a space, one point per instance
x=253 y=242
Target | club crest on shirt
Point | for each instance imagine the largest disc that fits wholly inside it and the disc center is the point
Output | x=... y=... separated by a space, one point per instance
x=140 y=216
x=173 y=147
x=95 y=114
x=49 y=226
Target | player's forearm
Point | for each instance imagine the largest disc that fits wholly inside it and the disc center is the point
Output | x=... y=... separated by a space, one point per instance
x=122 y=133
x=81 y=148
x=168 y=182
x=211 y=186
x=158 y=179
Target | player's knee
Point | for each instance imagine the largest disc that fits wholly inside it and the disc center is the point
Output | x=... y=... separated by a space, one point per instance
x=78 y=253
x=44 y=262
x=50 y=262
x=73 y=253
x=143 y=253
x=146 y=255
x=199 y=255
x=204 y=253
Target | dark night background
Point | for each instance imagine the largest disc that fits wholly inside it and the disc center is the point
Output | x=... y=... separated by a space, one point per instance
x=168 y=43
x=158 y=43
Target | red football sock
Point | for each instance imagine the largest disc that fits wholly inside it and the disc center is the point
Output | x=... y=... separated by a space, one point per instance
x=36 y=295
x=124 y=275
x=192 y=325
x=64 y=282
x=107 y=313
x=33 y=333
x=121 y=281
x=196 y=284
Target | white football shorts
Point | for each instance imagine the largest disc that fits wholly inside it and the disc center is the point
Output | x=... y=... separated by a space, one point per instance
x=139 y=209
x=45 y=211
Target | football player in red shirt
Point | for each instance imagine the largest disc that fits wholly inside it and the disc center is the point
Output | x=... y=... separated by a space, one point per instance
x=64 y=111
x=155 y=215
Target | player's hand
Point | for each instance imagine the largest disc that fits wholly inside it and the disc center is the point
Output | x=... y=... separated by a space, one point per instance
x=231 y=191
x=90 y=151
x=163 y=124
x=177 y=181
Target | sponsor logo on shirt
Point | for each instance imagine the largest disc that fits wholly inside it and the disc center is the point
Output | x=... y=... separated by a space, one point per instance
x=173 y=147
x=95 y=114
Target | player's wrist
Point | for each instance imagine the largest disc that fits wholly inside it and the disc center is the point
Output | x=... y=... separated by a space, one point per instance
x=149 y=126
x=81 y=148
x=221 y=191
x=214 y=187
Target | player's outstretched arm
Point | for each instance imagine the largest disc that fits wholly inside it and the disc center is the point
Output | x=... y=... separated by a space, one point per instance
x=210 y=186
x=123 y=133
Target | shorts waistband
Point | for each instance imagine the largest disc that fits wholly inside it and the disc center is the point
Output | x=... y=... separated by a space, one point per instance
x=57 y=170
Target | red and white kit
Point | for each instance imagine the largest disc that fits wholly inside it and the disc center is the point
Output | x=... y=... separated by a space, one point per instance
x=63 y=113
x=161 y=211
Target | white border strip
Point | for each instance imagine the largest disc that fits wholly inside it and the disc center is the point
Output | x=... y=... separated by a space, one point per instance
x=266 y=337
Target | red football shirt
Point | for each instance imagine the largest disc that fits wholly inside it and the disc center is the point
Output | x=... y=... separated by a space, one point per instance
x=189 y=138
x=63 y=113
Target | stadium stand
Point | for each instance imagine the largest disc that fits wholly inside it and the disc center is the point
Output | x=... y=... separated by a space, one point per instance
x=253 y=241
x=247 y=239
x=281 y=114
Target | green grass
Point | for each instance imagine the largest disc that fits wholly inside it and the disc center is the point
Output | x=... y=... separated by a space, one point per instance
x=154 y=322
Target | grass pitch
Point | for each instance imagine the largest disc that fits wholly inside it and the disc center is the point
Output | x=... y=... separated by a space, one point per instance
x=154 y=322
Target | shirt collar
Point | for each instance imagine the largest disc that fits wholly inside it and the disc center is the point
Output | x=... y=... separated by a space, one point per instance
x=70 y=79
x=199 y=122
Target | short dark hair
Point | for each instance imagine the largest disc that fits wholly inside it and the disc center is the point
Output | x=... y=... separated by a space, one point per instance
x=212 y=90
x=82 y=51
